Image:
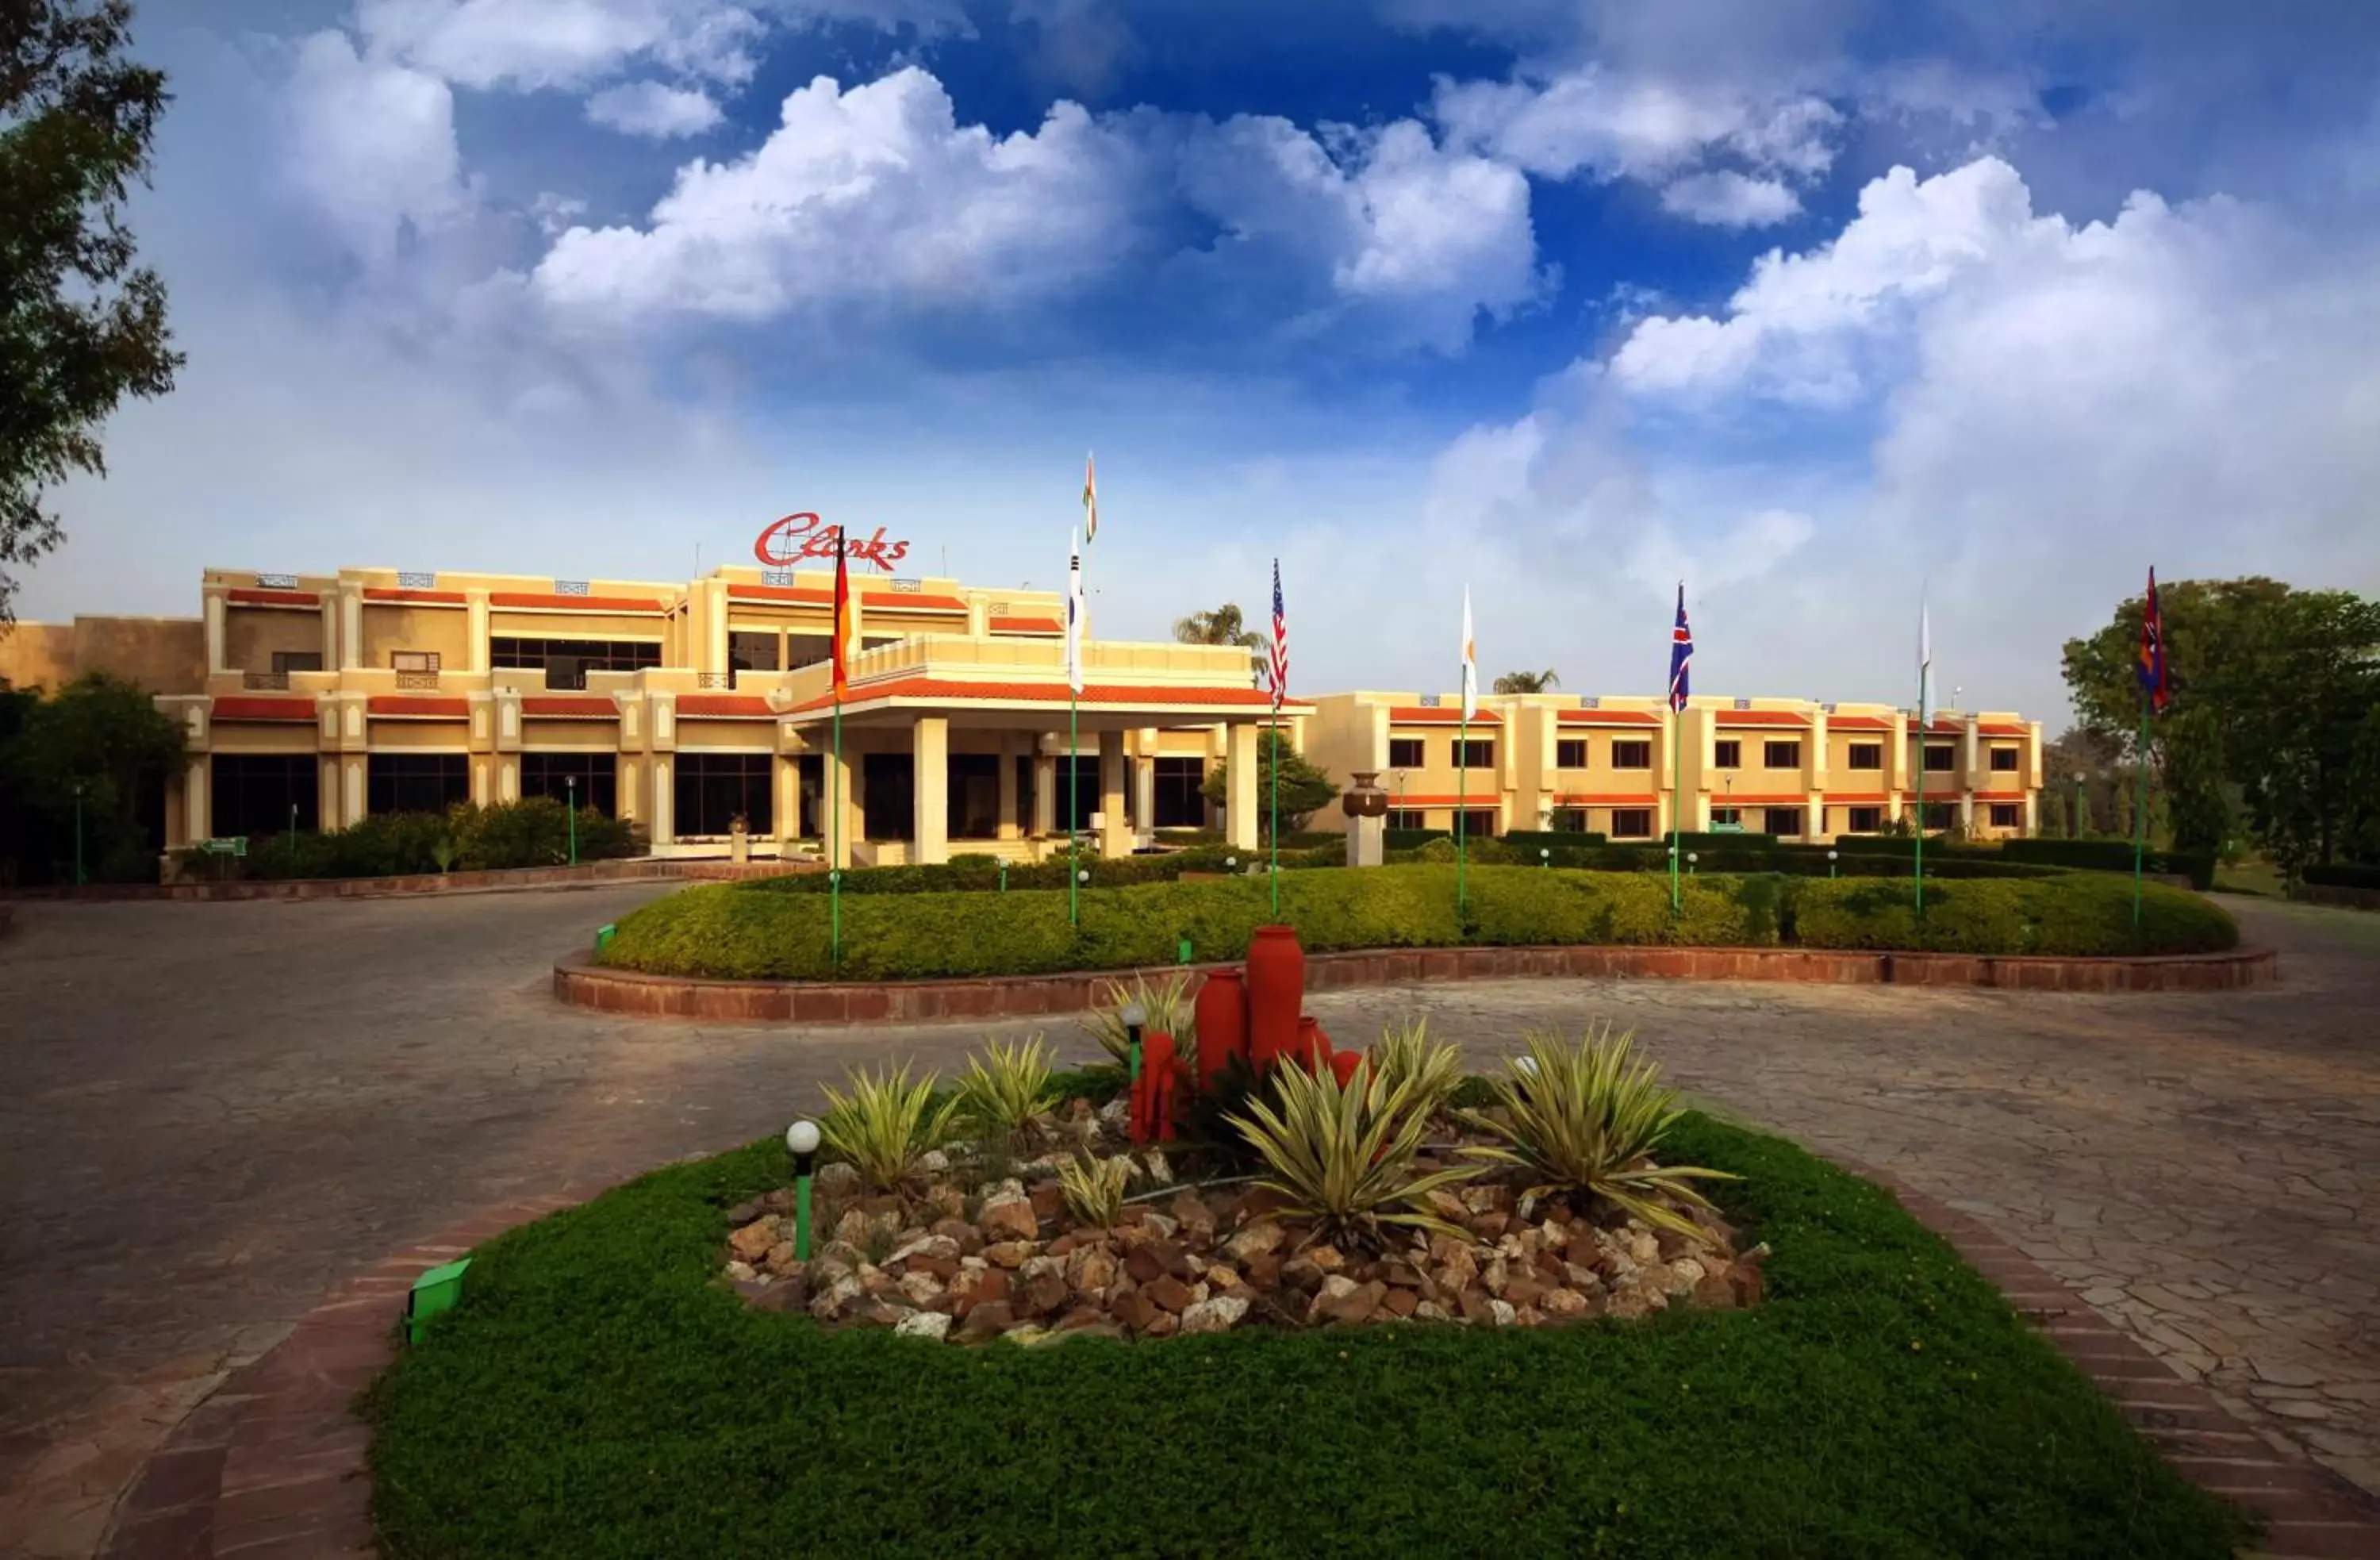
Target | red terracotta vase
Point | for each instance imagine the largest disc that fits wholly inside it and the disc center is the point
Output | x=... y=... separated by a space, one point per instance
x=1160 y=1069
x=1222 y=1013
x=1344 y=1064
x=1313 y=1044
x=1276 y=991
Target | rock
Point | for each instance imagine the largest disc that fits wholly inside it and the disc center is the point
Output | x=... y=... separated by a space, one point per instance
x=1008 y=1253
x=1116 y=1115
x=1047 y=1200
x=1090 y=1270
x=977 y=1285
x=1493 y=1277
x=921 y=1288
x=1582 y=1279
x=752 y=1242
x=1361 y=1305
x=947 y=1201
x=1011 y=1218
x=1043 y=1293
x=1159 y=1225
x=987 y=1319
x=1503 y=1314
x=1217 y=1276
x=882 y=1313
x=1628 y=1302
x=1257 y=1240
x=1001 y=1190
x=1064 y=1245
x=1748 y=1283
x=1142 y=1264
x=1135 y=1310
x=1522 y=1291
x=1262 y=1273
x=780 y=1258
x=1330 y=1259
x=785 y=1295
x=1164 y=1326
x=1170 y=1294
x=1160 y=1170
x=741 y=1272
x=1430 y=1310
x=826 y=1269
x=1400 y=1303
x=1482 y=1197
x=1689 y=1269
x=837 y=1179
x=1337 y=1287
x=1474 y=1304
x=1643 y=1249
x=1447 y=1206
x=933 y=1162
x=1489 y=1226
x=838 y=1299
x=1190 y=1214
x=960 y=1233
x=932 y=1325
x=1713 y=1292
x=923 y=1245
x=1218 y=1314
x=1562 y=1303
x=1670 y=1278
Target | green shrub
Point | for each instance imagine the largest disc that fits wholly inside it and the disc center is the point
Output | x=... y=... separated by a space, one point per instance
x=532 y=831
x=1531 y=840
x=1410 y=839
x=2113 y=856
x=2342 y=874
x=979 y=872
x=728 y=931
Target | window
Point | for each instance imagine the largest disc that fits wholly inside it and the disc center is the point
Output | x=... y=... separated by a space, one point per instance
x=1785 y=823
x=1864 y=820
x=708 y=789
x=550 y=774
x=1570 y=820
x=413 y=660
x=566 y=662
x=1727 y=817
x=252 y=793
x=1478 y=824
x=2007 y=815
x=1866 y=755
x=1407 y=818
x=1940 y=814
x=1180 y=804
x=1631 y=822
x=1727 y=754
x=748 y=651
x=1077 y=795
x=1631 y=754
x=287 y=661
x=1404 y=753
x=1570 y=753
x=2004 y=761
x=1940 y=758
x=417 y=782
x=1473 y=754
x=1780 y=755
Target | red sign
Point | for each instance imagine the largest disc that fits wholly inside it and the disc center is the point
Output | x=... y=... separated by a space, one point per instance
x=796 y=537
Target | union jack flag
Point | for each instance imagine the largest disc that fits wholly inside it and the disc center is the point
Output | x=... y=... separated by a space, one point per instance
x=1280 y=642
x=2155 y=686
x=1682 y=649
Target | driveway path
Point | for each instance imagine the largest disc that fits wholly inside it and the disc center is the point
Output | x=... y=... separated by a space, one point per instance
x=208 y=1113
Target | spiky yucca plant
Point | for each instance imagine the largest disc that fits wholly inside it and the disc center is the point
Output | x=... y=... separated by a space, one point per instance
x=1405 y=1050
x=1344 y=1156
x=1587 y=1117
x=1005 y=1090
x=886 y=1124
x=1168 y=1006
x=1094 y=1189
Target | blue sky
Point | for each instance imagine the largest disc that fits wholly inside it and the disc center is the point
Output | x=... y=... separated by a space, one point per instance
x=1815 y=304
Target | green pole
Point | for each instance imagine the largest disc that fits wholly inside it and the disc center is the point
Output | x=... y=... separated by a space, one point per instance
x=802 y=1217
x=571 y=786
x=833 y=844
x=1276 y=816
x=1921 y=793
x=1677 y=806
x=1074 y=791
x=1461 y=793
x=78 y=875
x=2141 y=814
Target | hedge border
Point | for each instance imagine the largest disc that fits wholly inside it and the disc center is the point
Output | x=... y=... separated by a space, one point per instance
x=579 y=983
x=493 y=881
x=278 y=1455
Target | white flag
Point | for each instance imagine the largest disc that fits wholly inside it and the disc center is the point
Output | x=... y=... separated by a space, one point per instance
x=1470 y=663
x=1075 y=611
x=1924 y=664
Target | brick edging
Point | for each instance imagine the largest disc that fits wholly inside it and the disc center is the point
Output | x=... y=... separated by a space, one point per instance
x=581 y=983
x=409 y=884
x=275 y=1461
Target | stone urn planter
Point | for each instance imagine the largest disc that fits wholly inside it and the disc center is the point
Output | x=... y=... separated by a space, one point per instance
x=1366 y=807
x=739 y=840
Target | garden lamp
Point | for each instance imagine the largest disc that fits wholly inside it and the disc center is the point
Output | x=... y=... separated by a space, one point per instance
x=1831 y=858
x=1134 y=1015
x=802 y=1139
x=2079 y=814
x=570 y=783
x=1692 y=857
x=1545 y=857
x=1083 y=874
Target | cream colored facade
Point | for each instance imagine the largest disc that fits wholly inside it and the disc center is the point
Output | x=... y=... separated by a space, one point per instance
x=1797 y=769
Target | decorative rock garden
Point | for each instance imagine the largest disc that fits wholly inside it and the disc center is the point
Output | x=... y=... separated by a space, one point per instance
x=1278 y=1183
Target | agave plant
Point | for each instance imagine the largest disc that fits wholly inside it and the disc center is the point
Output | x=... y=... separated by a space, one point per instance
x=1587 y=1118
x=1342 y=1155
x=1005 y=1090
x=1405 y=1050
x=886 y=1125
x=1094 y=1189
x=1166 y=1005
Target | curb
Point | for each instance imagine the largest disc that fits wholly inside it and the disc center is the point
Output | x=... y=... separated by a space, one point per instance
x=580 y=983
x=415 y=885
x=278 y=1464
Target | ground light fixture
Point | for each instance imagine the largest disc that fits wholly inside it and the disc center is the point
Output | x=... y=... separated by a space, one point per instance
x=439 y=1290
x=1832 y=857
x=570 y=782
x=1692 y=857
x=1545 y=857
x=802 y=1141
x=1134 y=1015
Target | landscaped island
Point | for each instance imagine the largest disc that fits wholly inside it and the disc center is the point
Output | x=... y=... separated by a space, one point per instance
x=754 y=932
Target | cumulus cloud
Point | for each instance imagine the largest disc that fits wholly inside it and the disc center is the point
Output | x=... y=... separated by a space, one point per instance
x=560 y=43
x=1724 y=198
x=369 y=146
x=654 y=109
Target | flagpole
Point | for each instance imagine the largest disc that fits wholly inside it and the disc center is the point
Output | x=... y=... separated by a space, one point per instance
x=1921 y=791
x=1677 y=803
x=2141 y=812
x=833 y=838
x=1275 y=813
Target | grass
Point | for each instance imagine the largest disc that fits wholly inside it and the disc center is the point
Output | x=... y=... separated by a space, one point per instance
x=601 y=1393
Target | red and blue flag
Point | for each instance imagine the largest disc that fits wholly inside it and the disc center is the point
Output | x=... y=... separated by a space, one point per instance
x=1682 y=649
x=2156 y=687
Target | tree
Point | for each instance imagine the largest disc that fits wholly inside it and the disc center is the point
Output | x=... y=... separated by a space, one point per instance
x=108 y=737
x=80 y=327
x=1528 y=682
x=1224 y=625
x=1305 y=789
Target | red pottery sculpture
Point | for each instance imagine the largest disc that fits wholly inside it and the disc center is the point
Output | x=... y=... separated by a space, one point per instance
x=1276 y=991
x=1344 y=1064
x=1313 y=1044
x=1152 y=1093
x=1222 y=1013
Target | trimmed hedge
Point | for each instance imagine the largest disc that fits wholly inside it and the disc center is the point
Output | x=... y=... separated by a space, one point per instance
x=532 y=831
x=1803 y=861
x=737 y=932
x=962 y=873
x=2342 y=874
x=1560 y=839
x=2112 y=856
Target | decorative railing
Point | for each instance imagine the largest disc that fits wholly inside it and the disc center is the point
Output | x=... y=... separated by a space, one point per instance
x=559 y=681
x=277 y=682
x=417 y=679
x=714 y=680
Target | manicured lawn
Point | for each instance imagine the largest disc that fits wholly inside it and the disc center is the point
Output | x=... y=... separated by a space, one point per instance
x=601 y=1393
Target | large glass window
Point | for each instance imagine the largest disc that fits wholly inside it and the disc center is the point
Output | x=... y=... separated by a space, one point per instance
x=749 y=652
x=1478 y=825
x=2004 y=761
x=1785 y=823
x=1632 y=754
x=1780 y=755
x=550 y=774
x=1078 y=788
x=1473 y=753
x=888 y=790
x=566 y=662
x=708 y=790
x=1569 y=752
x=254 y=793
x=974 y=796
x=417 y=782
x=1407 y=818
x=1180 y=804
x=1940 y=758
x=1570 y=820
x=1631 y=822
x=2007 y=815
x=1404 y=753
x=1941 y=815
x=1865 y=819
x=1865 y=755
x=1727 y=753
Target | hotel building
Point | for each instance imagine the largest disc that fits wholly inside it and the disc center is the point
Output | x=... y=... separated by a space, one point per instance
x=314 y=700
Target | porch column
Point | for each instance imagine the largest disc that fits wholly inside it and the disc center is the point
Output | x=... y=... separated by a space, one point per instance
x=351 y=628
x=194 y=800
x=1116 y=835
x=1045 y=794
x=1240 y=769
x=215 y=638
x=930 y=761
x=1144 y=796
x=665 y=814
x=1009 y=820
x=788 y=808
x=352 y=806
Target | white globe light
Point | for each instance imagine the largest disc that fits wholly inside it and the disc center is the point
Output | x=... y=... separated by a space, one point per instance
x=802 y=1137
x=1525 y=1066
x=1083 y=876
x=1831 y=854
x=1231 y=863
x=1133 y=1015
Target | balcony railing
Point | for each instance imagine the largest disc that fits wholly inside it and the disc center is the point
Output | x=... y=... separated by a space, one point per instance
x=277 y=682
x=417 y=679
x=565 y=679
x=714 y=680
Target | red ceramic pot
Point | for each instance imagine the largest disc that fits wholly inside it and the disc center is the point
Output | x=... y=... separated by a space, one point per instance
x=1222 y=1013
x=1159 y=1071
x=1313 y=1044
x=1276 y=991
x=1344 y=1064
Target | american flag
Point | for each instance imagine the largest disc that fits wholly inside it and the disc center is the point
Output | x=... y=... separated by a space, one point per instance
x=1682 y=649
x=1280 y=642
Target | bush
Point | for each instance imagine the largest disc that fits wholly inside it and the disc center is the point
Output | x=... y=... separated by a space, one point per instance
x=2112 y=856
x=983 y=872
x=533 y=832
x=1531 y=840
x=738 y=931
x=1410 y=839
x=2342 y=874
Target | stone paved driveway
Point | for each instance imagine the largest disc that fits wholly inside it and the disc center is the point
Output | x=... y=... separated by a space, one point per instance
x=209 y=1113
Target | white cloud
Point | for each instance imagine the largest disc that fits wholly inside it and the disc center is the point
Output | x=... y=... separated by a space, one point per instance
x=529 y=44
x=371 y=146
x=1596 y=122
x=655 y=109
x=1751 y=549
x=1724 y=198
